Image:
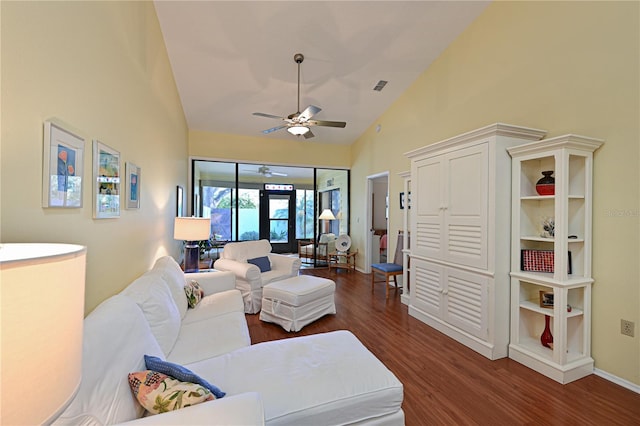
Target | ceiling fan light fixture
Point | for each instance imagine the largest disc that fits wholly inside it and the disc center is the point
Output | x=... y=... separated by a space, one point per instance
x=298 y=130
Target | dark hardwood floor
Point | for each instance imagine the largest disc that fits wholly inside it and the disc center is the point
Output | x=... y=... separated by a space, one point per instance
x=445 y=383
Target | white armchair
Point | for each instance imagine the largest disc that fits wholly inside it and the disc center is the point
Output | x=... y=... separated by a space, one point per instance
x=237 y=257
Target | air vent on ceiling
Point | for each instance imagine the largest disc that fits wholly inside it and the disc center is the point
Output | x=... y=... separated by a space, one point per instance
x=380 y=85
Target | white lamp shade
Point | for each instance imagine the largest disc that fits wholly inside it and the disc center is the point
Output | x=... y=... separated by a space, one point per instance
x=327 y=215
x=298 y=130
x=192 y=228
x=42 y=300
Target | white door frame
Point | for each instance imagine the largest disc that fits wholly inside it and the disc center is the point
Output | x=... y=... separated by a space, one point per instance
x=368 y=224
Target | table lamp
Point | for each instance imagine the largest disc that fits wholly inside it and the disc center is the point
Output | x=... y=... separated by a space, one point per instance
x=191 y=230
x=326 y=215
x=42 y=300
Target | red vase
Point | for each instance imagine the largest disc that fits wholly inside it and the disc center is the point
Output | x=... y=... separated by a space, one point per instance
x=547 y=338
x=547 y=184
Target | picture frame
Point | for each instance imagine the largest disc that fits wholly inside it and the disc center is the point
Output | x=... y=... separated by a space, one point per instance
x=106 y=181
x=546 y=299
x=62 y=167
x=179 y=201
x=132 y=189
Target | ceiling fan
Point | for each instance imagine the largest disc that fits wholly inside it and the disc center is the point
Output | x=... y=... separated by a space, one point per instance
x=299 y=123
x=266 y=172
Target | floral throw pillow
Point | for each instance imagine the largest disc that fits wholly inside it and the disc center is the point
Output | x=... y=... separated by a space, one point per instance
x=194 y=293
x=159 y=393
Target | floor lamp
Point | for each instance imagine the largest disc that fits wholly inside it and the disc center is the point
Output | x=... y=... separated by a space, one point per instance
x=42 y=317
x=191 y=230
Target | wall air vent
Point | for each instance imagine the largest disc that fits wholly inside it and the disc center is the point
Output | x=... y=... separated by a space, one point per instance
x=380 y=85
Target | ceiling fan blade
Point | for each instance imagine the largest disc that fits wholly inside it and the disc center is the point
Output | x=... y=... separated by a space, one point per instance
x=262 y=114
x=325 y=123
x=308 y=112
x=273 y=129
x=278 y=174
x=309 y=134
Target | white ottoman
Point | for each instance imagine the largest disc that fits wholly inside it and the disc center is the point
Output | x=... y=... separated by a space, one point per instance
x=297 y=301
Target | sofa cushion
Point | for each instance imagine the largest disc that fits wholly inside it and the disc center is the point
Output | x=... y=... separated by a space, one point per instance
x=194 y=293
x=159 y=393
x=116 y=337
x=180 y=373
x=262 y=262
x=171 y=273
x=343 y=382
x=152 y=295
x=205 y=339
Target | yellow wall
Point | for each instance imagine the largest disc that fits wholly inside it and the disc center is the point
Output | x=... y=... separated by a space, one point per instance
x=102 y=69
x=566 y=67
x=271 y=151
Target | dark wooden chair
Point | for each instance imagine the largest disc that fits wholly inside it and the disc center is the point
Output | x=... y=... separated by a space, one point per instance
x=389 y=269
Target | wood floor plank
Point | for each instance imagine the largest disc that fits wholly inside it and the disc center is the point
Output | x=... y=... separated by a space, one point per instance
x=446 y=383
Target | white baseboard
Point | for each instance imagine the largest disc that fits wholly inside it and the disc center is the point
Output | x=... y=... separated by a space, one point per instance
x=617 y=380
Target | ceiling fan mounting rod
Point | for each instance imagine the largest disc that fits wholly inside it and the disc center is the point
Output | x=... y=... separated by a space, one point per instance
x=298 y=58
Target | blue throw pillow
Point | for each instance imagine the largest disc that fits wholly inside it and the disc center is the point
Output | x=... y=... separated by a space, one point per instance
x=180 y=373
x=261 y=262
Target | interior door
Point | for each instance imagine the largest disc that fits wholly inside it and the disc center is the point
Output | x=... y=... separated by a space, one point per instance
x=277 y=220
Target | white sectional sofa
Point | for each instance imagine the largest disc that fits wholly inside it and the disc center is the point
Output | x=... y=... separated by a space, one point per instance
x=324 y=379
x=250 y=279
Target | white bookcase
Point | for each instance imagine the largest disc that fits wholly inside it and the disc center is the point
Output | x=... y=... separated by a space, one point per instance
x=568 y=253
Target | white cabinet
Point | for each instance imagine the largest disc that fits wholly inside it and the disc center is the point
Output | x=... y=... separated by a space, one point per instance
x=565 y=256
x=461 y=235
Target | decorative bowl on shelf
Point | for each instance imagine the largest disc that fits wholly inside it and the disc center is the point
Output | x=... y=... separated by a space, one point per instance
x=547 y=184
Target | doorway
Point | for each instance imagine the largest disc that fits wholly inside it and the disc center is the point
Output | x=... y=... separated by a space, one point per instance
x=277 y=220
x=377 y=214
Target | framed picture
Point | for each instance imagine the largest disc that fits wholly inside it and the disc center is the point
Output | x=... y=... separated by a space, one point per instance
x=179 y=202
x=546 y=299
x=132 y=190
x=63 y=167
x=106 y=181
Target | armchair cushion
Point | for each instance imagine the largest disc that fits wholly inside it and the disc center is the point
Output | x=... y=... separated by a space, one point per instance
x=241 y=251
x=262 y=262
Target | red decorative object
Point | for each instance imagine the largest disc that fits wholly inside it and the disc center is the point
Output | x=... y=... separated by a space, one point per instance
x=547 y=184
x=547 y=338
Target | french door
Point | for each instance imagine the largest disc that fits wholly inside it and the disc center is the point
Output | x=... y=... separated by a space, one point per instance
x=277 y=220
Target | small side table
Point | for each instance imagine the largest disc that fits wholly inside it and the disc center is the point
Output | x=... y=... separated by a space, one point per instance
x=343 y=260
x=202 y=264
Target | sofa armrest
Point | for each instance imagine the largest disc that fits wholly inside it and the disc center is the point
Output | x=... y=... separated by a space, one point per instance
x=243 y=409
x=282 y=262
x=243 y=271
x=214 y=281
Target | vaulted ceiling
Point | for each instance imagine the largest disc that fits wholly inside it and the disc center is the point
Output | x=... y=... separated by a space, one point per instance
x=233 y=58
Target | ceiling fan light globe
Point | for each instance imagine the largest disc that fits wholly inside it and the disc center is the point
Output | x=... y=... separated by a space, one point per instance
x=298 y=130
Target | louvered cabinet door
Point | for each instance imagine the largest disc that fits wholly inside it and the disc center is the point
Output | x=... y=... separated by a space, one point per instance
x=465 y=206
x=465 y=302
x=428 y=287
x=427 y=206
